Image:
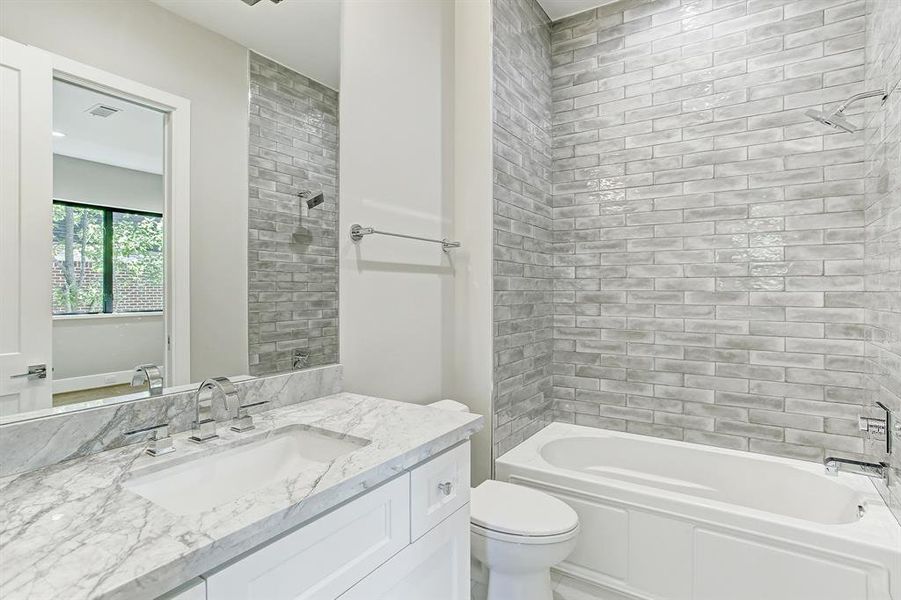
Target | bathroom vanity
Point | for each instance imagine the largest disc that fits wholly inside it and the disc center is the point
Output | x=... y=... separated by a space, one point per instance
x=344 y=496
x=408 y=538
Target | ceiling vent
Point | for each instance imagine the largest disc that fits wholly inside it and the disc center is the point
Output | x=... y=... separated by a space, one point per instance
x=102 y=110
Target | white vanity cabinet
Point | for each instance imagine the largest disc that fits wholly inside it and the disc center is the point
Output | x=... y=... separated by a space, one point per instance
x=406 y=539
x=434 y=567
x=316 y=561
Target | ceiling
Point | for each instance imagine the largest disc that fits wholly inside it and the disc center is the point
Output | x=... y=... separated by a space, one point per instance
x=303 y=35
x=557 y=9
x=132 y=138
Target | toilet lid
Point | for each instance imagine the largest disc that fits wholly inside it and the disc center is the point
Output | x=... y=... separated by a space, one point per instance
x=518 y=510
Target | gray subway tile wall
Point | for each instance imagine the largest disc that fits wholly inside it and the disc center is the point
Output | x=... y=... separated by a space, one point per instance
x=292 y=262
x=882 y=223
x=711 y=245
x=523 y=222
x=708 y=236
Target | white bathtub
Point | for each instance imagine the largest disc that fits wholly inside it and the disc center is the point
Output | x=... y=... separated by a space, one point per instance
x=669 y=520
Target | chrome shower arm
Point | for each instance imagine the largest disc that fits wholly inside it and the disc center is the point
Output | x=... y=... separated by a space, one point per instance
x=860 y=96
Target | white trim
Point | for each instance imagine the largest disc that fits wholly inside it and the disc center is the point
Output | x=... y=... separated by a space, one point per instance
x=110 y=205
x=177 y=211
x=86 y=382
x=125 y=315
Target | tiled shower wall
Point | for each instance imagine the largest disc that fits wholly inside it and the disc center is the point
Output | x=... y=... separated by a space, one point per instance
x=523 y=288
x=709 y=238
x=292 y=262
x=882 y=253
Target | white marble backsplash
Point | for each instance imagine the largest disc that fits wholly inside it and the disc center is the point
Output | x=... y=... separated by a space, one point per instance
x=31 y=444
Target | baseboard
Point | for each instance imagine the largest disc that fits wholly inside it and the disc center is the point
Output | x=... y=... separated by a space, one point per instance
x=86 y=382
x=598 y=590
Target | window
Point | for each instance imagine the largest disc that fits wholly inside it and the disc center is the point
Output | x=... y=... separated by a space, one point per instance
x=106 y=260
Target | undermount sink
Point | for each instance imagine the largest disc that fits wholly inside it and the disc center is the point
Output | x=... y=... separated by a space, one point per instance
x=211 y=480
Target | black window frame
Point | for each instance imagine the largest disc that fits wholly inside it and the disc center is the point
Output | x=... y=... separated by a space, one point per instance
x=107 y=291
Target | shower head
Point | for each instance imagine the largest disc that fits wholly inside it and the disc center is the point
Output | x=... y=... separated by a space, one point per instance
x=313 y=199
x=834 y=120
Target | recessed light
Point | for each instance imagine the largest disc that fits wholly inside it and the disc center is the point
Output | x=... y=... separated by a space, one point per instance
x=59 y=134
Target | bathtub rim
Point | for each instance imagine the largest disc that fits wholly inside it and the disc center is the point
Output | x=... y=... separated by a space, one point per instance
x=877 y=533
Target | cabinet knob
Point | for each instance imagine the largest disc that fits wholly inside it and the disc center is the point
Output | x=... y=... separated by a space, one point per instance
x=446 y=488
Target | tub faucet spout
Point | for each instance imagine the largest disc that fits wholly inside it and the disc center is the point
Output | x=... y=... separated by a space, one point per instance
x=875 y=470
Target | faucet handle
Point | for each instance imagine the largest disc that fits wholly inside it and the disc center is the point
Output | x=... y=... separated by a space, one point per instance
x=160 y=442
x=244 y=420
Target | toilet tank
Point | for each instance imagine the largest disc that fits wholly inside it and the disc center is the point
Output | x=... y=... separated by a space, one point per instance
x=450 y=405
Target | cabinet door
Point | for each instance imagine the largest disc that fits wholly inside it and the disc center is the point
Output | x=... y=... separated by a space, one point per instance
x=435 y=567
x=438 y=488
x=325 y=557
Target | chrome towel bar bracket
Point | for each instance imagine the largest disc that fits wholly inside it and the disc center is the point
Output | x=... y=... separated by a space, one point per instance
x=357 y=232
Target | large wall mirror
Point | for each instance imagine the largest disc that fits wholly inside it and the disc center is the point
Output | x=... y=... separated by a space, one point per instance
x=161 y=222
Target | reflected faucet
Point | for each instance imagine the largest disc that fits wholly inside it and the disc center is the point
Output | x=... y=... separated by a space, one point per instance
x=150 y=374
x=204 y=424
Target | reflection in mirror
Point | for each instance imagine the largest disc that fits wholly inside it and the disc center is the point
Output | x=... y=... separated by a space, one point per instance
x=193 y=218
x=293 y=245
x=107 y=269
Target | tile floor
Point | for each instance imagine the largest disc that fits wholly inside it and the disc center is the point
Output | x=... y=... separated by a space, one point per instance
x=565 y=588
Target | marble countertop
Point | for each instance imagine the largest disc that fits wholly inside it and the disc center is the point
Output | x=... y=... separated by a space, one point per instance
x=72 y=530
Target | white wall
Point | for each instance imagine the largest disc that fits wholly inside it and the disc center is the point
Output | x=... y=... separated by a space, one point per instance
x=473 y=212
x=94 y=344
x=143 y=42
x=416 y=158
x=89 y=182
x=396 y=296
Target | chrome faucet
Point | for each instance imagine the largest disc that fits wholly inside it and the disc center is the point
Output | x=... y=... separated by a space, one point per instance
x=204 y=424
x=875 y=470
x=150 y=374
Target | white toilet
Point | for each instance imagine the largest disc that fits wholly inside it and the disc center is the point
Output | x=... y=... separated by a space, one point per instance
x=518 y=534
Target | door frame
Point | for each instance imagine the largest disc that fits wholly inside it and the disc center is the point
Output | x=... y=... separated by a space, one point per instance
x=177 y=207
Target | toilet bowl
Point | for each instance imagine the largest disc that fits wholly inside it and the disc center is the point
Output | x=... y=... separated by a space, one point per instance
x=517 y=534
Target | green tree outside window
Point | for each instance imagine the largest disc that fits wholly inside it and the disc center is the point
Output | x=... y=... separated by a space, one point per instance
x=106 y=260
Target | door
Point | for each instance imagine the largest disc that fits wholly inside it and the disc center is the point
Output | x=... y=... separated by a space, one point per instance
x=435 y=567
x=26 y=176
